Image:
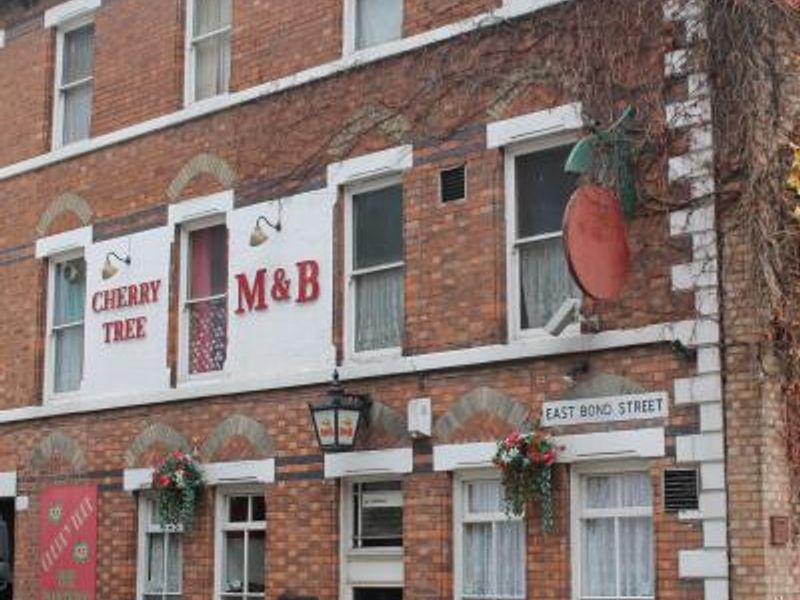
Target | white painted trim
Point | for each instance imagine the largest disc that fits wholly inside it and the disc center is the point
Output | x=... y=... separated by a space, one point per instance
x=689 y=332
x=22 y=503
x=396 y=461
x=392 y=161
x=220 y=473
x=2 y=38
x=513 y=291
x=540 y=124
x=350 y=29
x=67 y=11
x=317 y=73
x=75 y=239
x=602 y=445
x=8 y=484
x=57 y=134
x=200 y=208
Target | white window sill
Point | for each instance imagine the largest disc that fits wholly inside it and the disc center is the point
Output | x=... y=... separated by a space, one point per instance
x=379 y=553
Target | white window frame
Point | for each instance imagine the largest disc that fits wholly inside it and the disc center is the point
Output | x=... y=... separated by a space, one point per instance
x=577 y=474
x=58 y=88
x=146 y=509
x=513 y=291
x=350 y=28
x=190 y=60
x=351 y=274
x=186 y=228
x=220 y=519
x=460 y=479
x=50 y=349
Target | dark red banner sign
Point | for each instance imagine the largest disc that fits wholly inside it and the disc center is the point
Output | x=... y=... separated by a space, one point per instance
x=68 y=543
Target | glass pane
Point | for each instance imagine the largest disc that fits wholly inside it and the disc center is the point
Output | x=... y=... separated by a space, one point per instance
x=378 y=21
x=382 y=526
x=379 y=310
x=601 y=491
x=478 y=559
x=636 y=489
x=173 y=563
x=234 y=562
x=208 y=262
x=78 y=56
x=545 y=281
x=70 y=292
x=598 y=570
x=255 y=561
x=510 y=558
x=155 y=563
x=543 y=189
x=259 y=508
x=484 y=497
x=77 y=113
x=212 y=66
x=378 y=226
x=636 y=557
x=211 y=15
x=238 y=509
x=208 y=335
x=68 y=359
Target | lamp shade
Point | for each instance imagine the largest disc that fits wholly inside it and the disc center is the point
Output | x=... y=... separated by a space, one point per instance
x=338 y=418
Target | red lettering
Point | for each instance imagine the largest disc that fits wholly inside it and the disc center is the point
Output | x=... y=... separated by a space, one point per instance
x=308 y=284
x=129 y=325
x=107 y=329
x=119 y=330
x=252 y=297
x=133 y=295
x=140 y=323
x=154 y=287
x=97 y=305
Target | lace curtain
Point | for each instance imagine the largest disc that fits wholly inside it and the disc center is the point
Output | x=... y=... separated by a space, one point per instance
x=212 y=47
x=618 y=549
x=378 y=21
x=76 y=83
x=379 y=310
x=164 y=566
x=68 y=315
x=545 y=281
x=493 y=549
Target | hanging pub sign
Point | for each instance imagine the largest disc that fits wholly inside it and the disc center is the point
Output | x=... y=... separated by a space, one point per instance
x=68 y=542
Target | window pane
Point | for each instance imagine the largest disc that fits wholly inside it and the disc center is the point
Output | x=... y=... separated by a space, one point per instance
x=478 y=559
x=77 y=113
x=173 y=563
x=378 y=226
x=379 y=310
x=259 y=509
x=598 y=569
x=545 y=282
x=212 y=66
x=68 y=359
x=636 y=557
x=234 y=562
x=208 y=262
x=255 y=561
x=70 y=292
x=208 y=324
x=155 y=563
x=543 y=189
x=211 y=15
x=378 y=21
x=636 y=489
x=601 y=491
x=78 y=56
x=509 y=558
x=237 y=509
x=484 y=497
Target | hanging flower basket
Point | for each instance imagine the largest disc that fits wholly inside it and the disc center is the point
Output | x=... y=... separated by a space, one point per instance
x=526 y=460
x=177 y=482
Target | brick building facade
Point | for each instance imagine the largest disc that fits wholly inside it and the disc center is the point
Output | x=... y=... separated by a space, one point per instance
x=411 y=152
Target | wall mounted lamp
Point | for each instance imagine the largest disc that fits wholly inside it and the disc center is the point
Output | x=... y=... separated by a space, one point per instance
x=339 y=417
x=109 y=270
x=259 y=235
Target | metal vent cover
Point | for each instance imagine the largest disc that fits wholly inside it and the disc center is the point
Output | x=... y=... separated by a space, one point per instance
x=681 y=490
x=453 y=185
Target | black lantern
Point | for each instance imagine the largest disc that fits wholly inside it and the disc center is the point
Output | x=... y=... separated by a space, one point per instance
x=338 y=419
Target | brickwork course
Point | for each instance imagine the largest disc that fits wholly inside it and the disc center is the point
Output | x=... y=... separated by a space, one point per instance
x=686 y=324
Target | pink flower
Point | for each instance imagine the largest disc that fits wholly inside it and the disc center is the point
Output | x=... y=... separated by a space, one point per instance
x=512 y=440
x=550 y=457
x=164 y=481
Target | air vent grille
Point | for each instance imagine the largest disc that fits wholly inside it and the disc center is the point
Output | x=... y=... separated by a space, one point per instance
x=453 y=184
x=680 y=490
